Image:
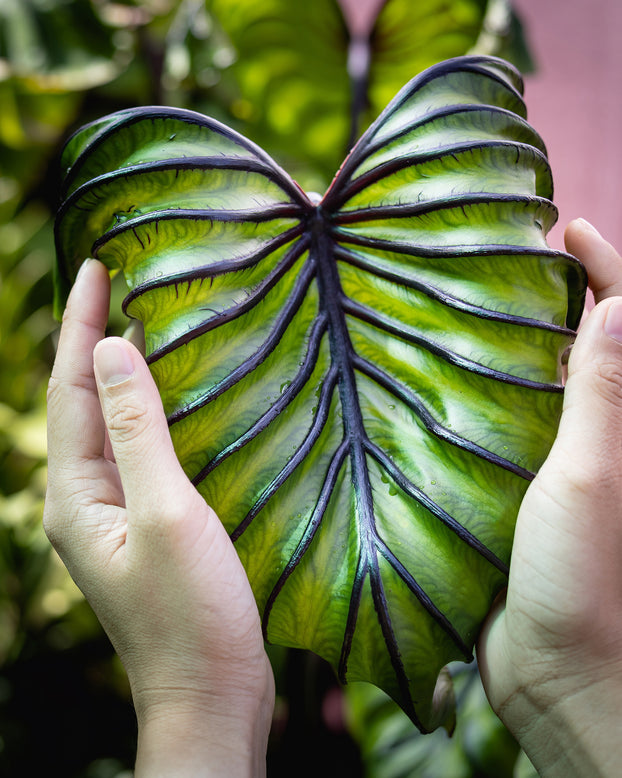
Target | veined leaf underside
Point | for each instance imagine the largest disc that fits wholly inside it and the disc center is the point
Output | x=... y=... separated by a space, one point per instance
x=362 y=387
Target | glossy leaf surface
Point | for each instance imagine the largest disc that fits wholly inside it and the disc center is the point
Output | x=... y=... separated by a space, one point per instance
x=362 y=387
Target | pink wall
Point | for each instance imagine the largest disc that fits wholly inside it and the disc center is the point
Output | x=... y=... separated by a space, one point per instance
x=575 y=103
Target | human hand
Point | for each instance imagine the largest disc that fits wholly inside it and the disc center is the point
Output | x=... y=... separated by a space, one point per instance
x=551 y=652
x=151 y=557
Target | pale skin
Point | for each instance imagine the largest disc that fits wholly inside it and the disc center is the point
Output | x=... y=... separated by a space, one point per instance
x=551 y=653
x=161 y=574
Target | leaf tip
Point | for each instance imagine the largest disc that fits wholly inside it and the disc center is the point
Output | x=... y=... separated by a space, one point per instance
x=443 y=709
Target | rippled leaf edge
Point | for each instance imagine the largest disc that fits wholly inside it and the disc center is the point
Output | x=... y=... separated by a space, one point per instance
x=371 y=473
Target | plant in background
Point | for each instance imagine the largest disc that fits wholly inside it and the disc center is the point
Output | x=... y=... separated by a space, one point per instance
x=362 y=387
x=305 y=79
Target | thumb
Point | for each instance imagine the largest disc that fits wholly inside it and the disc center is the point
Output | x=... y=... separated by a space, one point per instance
x=136 y=424
x=590 y=432
x=567 y=541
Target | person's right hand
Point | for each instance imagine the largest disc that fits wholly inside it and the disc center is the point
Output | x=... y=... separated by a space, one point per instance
x=551 y=652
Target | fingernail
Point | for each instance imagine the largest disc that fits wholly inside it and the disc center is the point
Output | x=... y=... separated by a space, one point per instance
x=587 y=226
x=613 y=322
x=113 y=364
x=81 y=268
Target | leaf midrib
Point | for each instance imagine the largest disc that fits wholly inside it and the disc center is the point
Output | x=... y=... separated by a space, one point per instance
x=332 y=299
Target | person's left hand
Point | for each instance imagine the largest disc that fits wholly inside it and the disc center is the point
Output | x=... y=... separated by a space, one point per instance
x=151 y=557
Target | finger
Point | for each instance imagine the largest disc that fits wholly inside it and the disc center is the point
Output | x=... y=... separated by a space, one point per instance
x=566 y=549
x=601 y=260
x=588 y=448
x=567 y=540
x=137 y=427
x=75 y=425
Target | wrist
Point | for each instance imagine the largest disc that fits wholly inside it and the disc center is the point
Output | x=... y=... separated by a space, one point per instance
x=568 y=733
x=202 y=734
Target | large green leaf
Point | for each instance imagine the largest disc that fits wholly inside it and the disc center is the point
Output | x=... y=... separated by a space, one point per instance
x=363 y=387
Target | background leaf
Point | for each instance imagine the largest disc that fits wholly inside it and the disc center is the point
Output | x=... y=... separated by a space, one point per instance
x=480 y=746
x=309 y=81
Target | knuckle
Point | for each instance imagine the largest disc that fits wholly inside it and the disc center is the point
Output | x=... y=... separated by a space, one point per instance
x=49 y=526
x=52 y=527
x=127 y=419
x=58 y=389
x=602 y=378
x=609 y=381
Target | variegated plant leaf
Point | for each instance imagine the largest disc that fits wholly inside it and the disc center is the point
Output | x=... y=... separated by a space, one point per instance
x=362 y=387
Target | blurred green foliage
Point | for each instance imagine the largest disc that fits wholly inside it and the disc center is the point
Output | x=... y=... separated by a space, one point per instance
x=276 y=70
x=481 y=747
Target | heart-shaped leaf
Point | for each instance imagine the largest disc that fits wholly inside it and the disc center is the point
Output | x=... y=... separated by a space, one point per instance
x=362 y=387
